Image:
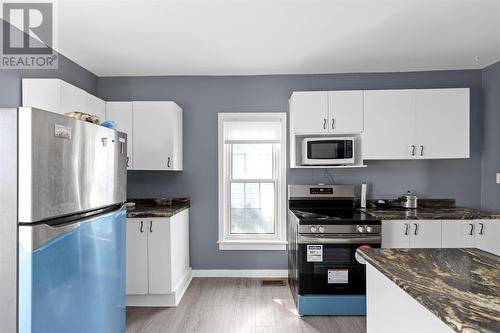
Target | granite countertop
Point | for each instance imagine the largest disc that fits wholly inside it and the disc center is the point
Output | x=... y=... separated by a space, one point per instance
x=459 y=286
x=455 y=213
x=161 y=207
x=428 y=209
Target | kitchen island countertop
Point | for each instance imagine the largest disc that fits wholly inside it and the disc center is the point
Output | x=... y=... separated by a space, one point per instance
x=459 y=286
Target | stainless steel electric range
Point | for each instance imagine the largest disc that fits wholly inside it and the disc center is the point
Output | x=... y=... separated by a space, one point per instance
x=325 y=230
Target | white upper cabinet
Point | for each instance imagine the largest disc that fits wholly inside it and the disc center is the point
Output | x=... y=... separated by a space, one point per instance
x=442 y=123
x=157 y=136
x=58 y=96
x=345 y=111
x=323 y=112
x=389 y=126
x=309 y=112
x=122 y=114
x=416 y=124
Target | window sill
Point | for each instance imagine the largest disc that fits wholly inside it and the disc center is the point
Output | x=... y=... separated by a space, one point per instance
x=241 y=245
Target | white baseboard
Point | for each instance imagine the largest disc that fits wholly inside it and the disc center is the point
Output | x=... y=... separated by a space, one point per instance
x=248 y=273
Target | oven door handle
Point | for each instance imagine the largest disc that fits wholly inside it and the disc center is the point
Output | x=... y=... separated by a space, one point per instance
x=339 y=240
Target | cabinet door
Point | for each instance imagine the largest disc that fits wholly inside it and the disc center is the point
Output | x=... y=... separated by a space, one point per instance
x=457 y=233
x=442 y=123
x=425 y=234
x=396 y=234
x=136 y=282
x=309 y=112
x=389 y=124
x=345 y=111
x=153 y=137
x=42 y=94
x=488 y=236
x=159 y=256
x=95 y=106
x=121 y=113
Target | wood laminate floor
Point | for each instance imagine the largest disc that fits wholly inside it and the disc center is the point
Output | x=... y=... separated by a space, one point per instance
x=233 y=305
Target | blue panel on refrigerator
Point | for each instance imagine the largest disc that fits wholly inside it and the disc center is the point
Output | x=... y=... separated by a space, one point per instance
x=76 y=282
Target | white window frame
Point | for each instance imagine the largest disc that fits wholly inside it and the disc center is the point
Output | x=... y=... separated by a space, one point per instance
x=228 y=241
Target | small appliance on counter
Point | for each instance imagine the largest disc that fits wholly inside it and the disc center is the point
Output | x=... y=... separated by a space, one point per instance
x=328 y=151
x=408 y=200
x=325 y=230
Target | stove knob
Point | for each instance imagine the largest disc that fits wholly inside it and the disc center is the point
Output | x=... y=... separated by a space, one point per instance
x=313 y=229
x=321 y=228
x=369 y=229
x=360 y=228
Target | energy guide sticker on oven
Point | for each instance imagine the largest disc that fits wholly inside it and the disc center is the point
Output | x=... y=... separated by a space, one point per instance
x=338 y=276
x=314 y=253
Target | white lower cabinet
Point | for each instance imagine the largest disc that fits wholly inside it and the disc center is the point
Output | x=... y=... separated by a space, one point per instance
x=481 y=234
x=411 y=234
x=157 y=258
x=458 y=233
x=425 y=234
x=487 y=236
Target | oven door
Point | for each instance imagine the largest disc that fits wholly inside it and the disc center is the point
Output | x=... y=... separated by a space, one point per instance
x=328 y=264
x=320 y=151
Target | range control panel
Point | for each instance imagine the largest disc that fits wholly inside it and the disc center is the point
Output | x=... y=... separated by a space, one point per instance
x=321 y=190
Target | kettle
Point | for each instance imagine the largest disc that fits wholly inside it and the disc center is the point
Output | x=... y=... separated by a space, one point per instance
x=408 y=200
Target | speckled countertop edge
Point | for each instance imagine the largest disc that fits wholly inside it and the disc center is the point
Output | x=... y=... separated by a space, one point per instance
x=464 y=305
x=161 y=207
x=455 y=213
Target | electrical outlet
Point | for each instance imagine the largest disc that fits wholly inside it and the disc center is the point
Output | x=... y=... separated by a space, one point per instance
x=498 y=178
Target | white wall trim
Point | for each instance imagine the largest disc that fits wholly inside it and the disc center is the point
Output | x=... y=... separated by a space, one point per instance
x=247 y=273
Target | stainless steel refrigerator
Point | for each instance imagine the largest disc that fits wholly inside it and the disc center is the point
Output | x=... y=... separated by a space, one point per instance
x=62 y=224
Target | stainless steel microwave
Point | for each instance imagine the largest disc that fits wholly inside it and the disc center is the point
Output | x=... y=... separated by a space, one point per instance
x=328 y=151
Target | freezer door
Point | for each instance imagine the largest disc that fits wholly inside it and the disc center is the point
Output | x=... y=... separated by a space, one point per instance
x=67 y=166
x=73 y=280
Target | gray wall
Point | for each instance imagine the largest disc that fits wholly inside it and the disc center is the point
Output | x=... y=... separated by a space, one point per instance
x=490 y=194
x=203 y=97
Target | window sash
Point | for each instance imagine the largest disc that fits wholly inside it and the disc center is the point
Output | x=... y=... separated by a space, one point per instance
x=274 y=180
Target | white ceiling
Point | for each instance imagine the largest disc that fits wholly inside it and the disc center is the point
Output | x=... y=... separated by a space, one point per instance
x=247 y=37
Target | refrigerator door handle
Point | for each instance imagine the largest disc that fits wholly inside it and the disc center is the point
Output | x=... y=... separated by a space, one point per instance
x=32 y=237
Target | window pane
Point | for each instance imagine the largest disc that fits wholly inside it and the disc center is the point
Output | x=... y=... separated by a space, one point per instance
x=252 y=208
x=252 y=161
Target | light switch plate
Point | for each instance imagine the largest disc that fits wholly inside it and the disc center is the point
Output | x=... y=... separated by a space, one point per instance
x=498 y=178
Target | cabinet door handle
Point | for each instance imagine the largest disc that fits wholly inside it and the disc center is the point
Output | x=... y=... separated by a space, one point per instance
x=471 y=229
x=416 y=229
x=324 y=123
x=333 y=123
x=142 y=227
x=150 y=226
x=482 y=227
x=413 y=148
x=421 y=150
x=407 y=228
x=128 y=160
x=168 y=162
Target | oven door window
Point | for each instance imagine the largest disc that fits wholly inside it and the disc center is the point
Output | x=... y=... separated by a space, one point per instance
x=338 y=273
x=326 y=150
